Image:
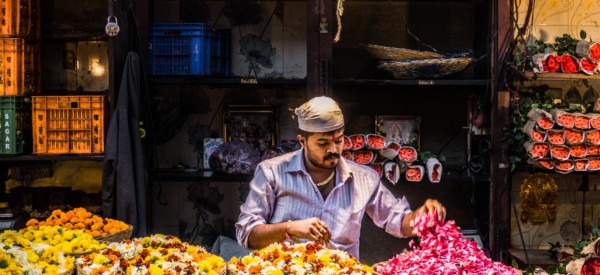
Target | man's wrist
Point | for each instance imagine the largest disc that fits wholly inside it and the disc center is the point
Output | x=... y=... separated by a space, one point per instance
x=287 y=230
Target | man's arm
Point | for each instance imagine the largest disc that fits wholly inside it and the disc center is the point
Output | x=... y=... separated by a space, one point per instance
x=265 y=234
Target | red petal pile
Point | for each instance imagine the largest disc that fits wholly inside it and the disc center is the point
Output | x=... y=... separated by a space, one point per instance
x=442 y=250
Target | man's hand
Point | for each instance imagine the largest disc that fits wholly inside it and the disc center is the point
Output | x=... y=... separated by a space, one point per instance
x=429 y=206
x=311 y=229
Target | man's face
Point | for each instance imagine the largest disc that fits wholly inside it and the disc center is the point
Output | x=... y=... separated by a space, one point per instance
x=324 y=150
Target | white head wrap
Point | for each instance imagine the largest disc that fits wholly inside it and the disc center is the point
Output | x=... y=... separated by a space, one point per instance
x=320 y=114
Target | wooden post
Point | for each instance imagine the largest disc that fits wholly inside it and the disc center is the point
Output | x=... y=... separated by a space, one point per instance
x=499 y=233
x=319 y=47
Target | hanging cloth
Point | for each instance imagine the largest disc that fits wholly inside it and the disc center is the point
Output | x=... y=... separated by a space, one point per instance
x=124 y=178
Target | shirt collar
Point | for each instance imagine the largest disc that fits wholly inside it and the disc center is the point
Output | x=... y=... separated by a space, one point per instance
x=296 y=164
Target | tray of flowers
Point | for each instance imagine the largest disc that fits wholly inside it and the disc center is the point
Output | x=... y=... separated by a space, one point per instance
x=156 y=254
x=442 y=250
x=298 y=258
x=45 y=250
x=102 y=229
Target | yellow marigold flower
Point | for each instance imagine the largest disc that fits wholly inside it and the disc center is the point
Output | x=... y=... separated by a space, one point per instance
x=276 y=272
x=100 y=259
x=32 y=256
x=51 y=269
x=155 y=270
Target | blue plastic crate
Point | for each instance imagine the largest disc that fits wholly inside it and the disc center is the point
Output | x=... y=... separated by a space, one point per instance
x=220 y=53
x=180 y=49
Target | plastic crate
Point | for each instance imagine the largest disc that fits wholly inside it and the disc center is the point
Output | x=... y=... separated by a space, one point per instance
x=220 y=53
x=15 y=128
x=68 y=125
x=19 y=70
x=20 y=18
x=180 y=49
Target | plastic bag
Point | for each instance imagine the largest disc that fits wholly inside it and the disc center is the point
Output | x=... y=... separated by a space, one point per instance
x=280 y=149
x=234 y=158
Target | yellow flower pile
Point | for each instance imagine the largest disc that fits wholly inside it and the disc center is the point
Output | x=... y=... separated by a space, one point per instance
x=42 y=251
x=300 y=258
x=156 y=255
x=79 y=218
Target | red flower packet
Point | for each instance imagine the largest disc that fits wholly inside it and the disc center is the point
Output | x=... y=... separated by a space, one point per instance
x=574 y=136
x=357 y=141
x=375 y=142
x=582 y=121
x=593 y=150
x=347 y=143
x=363 y=157
x=563 y=119
x=587 y=66
x=407 y=154
x=593 y=137
x=581 y=164
x=579 y=151
x=415 y=173
x=537 y=150
x=569 y=63
x=564 y=166
x=594 y=164
x=560 y=152
x=392 y=172
x=556 y=137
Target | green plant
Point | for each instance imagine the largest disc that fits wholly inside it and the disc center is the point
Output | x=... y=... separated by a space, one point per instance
x=523 y=56
x=425 y=155
x=566 y=44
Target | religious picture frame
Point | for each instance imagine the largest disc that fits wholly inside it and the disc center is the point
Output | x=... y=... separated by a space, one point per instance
x=254 y=124
x=404 y=130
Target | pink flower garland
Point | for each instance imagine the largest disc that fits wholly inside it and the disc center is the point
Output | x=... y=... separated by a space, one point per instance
x=442 y=250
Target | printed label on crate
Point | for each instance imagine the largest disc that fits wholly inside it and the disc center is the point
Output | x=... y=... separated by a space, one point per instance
x=6 y=130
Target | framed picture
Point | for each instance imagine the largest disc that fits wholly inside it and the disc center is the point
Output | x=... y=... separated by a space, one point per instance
x=256 y=125
x=403 y=130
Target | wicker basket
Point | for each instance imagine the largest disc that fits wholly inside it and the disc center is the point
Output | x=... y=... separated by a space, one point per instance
x=116 y=237
x=399 y=54
x=428 y=68
x=222 y=271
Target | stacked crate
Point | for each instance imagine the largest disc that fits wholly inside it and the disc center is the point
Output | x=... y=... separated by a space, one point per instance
x=189 y=49
x=19 y=72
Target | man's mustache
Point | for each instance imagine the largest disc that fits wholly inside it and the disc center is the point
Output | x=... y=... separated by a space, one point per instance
x=330 y=156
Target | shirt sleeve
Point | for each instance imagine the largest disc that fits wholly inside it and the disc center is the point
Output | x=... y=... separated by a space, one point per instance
x=258 y=206
x=387 y=211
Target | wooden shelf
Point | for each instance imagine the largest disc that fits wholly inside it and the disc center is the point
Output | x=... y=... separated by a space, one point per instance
x=209 y=176
x=208 y=80
x=560 y=76
x=183 y=175
x=49 y=158
x=413 y=82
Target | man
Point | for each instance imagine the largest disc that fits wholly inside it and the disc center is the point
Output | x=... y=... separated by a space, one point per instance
x=314 y=194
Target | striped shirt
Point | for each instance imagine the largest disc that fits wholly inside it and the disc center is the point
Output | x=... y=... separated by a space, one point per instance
x=282 y=190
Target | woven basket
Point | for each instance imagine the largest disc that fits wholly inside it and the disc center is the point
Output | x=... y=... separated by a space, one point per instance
x=399 y=54
x=428 y=68
x=78 y=254
x=222 y=271
x=116 y=237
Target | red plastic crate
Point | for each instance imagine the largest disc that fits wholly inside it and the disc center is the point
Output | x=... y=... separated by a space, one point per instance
x=68 y=124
